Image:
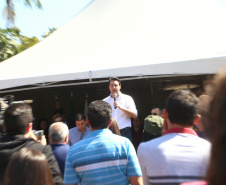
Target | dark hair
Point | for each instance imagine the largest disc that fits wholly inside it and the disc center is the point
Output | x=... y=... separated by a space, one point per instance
x=58 y=116
x=39 y=123
x=182 y=107
x=42 y=119
x=59 y=113
x=114 y=79
x=141 y=121
x=217 y=124
x=99 y=114
x=28 y=166
x=79 y=117
x=114 y=127
x=160 y=109
x=17 y=117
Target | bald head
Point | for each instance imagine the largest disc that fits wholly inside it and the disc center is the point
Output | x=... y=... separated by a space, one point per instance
x=58 y=133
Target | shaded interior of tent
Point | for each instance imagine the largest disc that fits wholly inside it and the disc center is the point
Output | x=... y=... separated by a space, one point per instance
x=147 y=92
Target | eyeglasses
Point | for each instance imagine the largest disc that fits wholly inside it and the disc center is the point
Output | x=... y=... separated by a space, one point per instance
x=154 y=113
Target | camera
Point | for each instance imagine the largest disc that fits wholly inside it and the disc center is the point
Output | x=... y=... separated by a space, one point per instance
x=38 y=133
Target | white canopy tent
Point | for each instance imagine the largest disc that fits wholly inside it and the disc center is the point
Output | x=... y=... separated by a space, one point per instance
x=126 y=38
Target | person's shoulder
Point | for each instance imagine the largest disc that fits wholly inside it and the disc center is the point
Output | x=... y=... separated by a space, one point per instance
x=198 y=140
x=120 y=139
x=202 y=142
x=107 y=98
x=61 y=148
x=126 y=96
x=59 y=145
x=74 y=129
x=149 y=147
x=35 y=145
x=66 y=147
x=46 y=149
x=152 y=144
x=88 y=128
x=4 y=139
x=77 y=145
x=108 y=135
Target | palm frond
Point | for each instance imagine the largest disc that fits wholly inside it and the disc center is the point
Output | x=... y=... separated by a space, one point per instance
x=28 y=3
x=38 y=3
x=9 y=10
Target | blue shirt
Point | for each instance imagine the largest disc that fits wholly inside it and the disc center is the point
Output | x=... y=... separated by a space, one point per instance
x=60 y=151
x=75 y=135
x=101 y=158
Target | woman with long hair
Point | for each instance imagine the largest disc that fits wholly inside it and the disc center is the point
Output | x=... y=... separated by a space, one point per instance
x=28 y=166
x=114 y=127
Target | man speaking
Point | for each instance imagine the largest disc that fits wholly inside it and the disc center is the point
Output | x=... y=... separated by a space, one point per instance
x=123 y=107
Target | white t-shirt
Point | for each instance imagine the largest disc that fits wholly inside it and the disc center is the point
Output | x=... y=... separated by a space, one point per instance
x=174 y=158
x=121 y=118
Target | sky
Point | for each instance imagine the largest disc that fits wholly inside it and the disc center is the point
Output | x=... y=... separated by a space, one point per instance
x=55 y=13
x=35 y=22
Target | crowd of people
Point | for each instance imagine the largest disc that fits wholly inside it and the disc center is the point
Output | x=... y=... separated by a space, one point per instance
x=184 y=143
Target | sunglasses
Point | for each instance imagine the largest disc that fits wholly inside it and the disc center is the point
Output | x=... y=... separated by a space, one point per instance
x=154 y=113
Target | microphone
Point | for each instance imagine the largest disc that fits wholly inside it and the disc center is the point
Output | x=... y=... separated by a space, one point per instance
x=115 y=95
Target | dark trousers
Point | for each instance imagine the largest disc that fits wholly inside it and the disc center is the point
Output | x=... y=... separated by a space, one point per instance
x=126 y=132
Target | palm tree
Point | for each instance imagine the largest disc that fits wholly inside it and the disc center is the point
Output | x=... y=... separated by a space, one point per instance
x=9 y=11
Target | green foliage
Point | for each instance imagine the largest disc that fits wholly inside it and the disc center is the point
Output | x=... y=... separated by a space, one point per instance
x=27 y=42
x=8 y=46
x=51 y=30
x=12 y=42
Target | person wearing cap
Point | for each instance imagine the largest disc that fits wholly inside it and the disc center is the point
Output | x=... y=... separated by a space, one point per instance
x=179 y=155
x=123 y=107
x=152 y=127
x=79 y=132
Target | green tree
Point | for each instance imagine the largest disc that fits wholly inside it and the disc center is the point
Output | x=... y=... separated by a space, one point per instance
x=10 y=8
x=8 y=44
x=26 y=42
x=12 y=42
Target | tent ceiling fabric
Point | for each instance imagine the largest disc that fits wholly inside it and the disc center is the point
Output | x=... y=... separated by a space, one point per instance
x=126 y=38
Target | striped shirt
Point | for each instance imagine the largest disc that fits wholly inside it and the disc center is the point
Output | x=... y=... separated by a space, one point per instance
x=179 y=156
x=101 y=158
